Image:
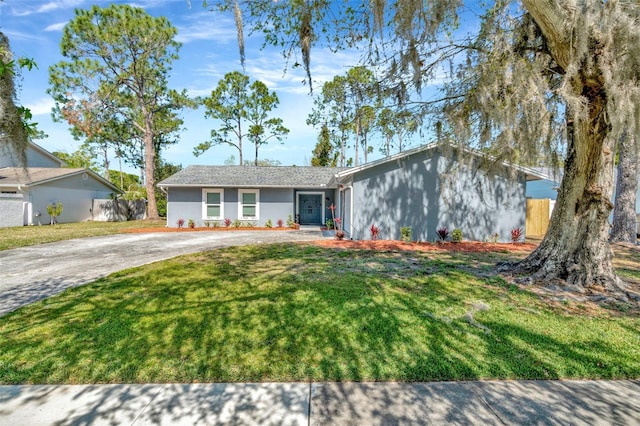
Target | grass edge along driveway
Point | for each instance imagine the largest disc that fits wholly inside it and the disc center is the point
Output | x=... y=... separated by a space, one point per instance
x=292 y=312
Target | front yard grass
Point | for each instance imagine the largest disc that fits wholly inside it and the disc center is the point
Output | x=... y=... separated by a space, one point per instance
x=304 y=313
x=22 y=236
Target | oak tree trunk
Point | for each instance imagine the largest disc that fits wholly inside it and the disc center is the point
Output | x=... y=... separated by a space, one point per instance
x=624 y=210
x=576 y=247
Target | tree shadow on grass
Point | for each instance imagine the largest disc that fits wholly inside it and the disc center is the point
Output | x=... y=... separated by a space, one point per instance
x=208 y=321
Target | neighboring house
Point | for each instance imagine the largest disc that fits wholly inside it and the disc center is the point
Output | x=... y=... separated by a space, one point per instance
x=422 y=188
x=250 y=194
x=25 y=192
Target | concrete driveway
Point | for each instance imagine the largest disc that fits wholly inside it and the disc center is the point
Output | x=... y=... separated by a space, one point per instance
x=33 y=273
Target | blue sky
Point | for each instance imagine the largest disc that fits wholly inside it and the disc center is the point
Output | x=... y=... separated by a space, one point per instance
x=209 y=51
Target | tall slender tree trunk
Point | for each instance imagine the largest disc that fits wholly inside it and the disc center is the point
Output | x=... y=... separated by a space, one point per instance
x=150 y=162
x=105 y=163
x=624 y=210
x=575 y=248
x=357 y=144
x=255 y=161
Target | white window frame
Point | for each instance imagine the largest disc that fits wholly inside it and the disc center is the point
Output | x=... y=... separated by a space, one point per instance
x=206 y=191
x=249 y=191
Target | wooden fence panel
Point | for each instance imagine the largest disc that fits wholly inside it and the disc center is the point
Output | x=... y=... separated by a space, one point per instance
x=538 y=211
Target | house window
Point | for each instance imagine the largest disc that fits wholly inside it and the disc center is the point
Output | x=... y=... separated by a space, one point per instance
x=249 y=204
x=212 y=204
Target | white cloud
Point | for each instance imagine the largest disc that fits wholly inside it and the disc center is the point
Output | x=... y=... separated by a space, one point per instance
x=21 y=35
x=25 y=9
x=41 y=106
x=207 y=26
x=56 y=27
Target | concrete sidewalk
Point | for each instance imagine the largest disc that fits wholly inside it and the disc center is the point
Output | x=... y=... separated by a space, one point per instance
x=464 y=403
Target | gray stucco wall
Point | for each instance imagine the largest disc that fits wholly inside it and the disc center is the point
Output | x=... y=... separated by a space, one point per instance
x=427 y=191
x=186 y=203
x=75 y=193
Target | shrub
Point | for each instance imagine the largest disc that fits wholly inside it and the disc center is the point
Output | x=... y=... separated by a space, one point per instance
x=339 y=235
x=329 y=223
x=456 y=235
x=516 y=234
x=216 y=224
x=290 y=221
x=280 y=223
x=268 y=223
x=227 y=222
x=207 y=223
x=248 y=224
x=374 y=230
x=405 y=234
x=494 y=238
x=180 y=223
x=237 y=223
x=443 y=233
x=191 y=223
x=54 y=210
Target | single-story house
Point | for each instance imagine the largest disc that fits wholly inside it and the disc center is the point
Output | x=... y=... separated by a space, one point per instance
x=25 y=192
x=250 y=194
x=424 y=188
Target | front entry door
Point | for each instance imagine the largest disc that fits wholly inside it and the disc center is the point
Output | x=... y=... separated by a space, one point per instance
x=310 y=209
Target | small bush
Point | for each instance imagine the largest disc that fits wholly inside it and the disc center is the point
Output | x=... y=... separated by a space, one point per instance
x=374 y=230
x=329 y=224
x=280 y=223
x=180 y=222
x=216 y=224
x=227 y=222
x=443 y=233
x=207 y=223
x=405 y=234
x=494 y=238
x=290 y=221
x=268 y=223
x=249 y=224
x=516 y=234
x=54 y=210
x=237 y=223
x=191 y=223
x=456 y=235
x=339 y=235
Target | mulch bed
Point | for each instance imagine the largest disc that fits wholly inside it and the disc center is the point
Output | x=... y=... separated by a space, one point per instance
x=465 y=246
x=200 y=229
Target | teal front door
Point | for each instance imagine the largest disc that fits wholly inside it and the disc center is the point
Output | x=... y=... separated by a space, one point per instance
x=310 y=209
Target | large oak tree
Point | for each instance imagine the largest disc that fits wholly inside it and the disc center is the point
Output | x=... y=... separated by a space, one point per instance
x=528 y=65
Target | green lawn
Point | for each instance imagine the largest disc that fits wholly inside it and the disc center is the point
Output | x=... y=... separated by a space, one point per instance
x=300 y=313
x=22 y=236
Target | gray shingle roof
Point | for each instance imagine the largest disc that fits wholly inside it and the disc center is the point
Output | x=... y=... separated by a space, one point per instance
x=32 y=176
x=252 y=176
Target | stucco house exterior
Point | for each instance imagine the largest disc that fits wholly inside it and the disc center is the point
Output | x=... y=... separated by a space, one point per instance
x=424 y=188
x=429 y=187
x=250 y=194
x=25 y=192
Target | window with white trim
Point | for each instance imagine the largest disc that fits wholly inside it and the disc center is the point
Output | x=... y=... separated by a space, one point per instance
x=212 y=204
x=249 y=204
